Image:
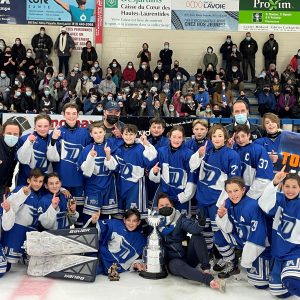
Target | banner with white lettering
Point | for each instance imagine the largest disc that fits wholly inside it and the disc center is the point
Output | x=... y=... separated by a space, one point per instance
x=137 y=14
x=12 y=12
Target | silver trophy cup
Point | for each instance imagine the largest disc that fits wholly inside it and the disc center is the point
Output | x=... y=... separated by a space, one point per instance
x=153 y=254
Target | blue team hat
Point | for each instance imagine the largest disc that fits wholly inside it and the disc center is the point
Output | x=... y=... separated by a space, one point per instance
x=110 y=105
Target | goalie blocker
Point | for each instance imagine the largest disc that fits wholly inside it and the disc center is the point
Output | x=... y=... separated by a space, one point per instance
x=52 y=253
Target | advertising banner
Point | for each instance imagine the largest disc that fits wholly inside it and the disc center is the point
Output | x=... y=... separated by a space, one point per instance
x=154 y=14
x=205 y=15
x=81 y=35
x=99 y=22
x=61 y=12
x=12 y=12
x=269 y=15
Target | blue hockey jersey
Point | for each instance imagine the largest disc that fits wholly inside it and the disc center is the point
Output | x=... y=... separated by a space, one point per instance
x=194 y=144
x=119 y=245
x=158 y=142
x=270 y=144
x=32 y=155
x=256 y=168
x=213 y=169
x=51 y=218
x=175 y=177
x=25 y=215
x=64 y=154
x=286 y=224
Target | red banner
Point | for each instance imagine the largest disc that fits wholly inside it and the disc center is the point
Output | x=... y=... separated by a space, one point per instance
x=99 y=22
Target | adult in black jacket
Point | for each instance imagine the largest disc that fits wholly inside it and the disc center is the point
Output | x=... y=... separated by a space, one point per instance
x=166 y=57
x=248 y=48
x=190 y=262
x=18 y=50
x=234 y=58
x=226 y=49
x=144 y=76
x=10 y=133
x=42 y=45
x=177 y=69
x=88 y=56
x=270 y=51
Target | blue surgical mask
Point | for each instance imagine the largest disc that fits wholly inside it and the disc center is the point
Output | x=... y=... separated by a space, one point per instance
x=47 y=93
x=18 y=94
x=10 y=140
x=85 y=77
x=241 y=118
x=109 y=98
x=28 y=93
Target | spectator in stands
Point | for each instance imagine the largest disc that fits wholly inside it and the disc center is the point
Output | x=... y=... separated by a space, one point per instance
x=167 y=84
x=47 y=103
x=248 y=48
x=288 y=73
x=270 y=51
x=9 y=65
x=144 y=76
x=178 y=82
x=286 y=103
x=179 y=104
x=2 y=48
x=117 y=71
x=15 y=100
x=111 y=120
x=210 y=75
x=223 y=97
x=202 y=97
x=207 y=113
x=47 y=81
x=240 y=113
x=129 y=74
x=107 y=86
x=90 y=102
x=134 y=103
x=144 y=55
x=225 y=50
x=295 y=64
x=156 y=82
x=179 y=69
x=98 y=69
x=63 y=47
x=235 y=78
x=190 y=106
x=95 y=77
x=29 y=103
x=272 y=72
x=260 y=82
x=88 y=56
x=27 y=64
x=84 y=85
x=190 y=86
x=160 y=70
x=49 y=67
x=18 y=51
x=166 y=57
x=276 y=88
x=242 y=96
x=234 y=58
x=266 y=101
x=4 y=85
x=42 y=45
x=210 y=58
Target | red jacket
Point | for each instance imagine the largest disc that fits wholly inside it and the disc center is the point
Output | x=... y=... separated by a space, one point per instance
x=129 y=74
x=294 y=63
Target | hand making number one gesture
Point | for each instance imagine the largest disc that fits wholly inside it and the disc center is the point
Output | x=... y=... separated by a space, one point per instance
x=279 y=176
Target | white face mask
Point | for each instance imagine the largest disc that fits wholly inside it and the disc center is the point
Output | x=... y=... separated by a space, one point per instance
x=129 y=66
x=29 y=54
x=10 y=140
x=114 y=65
x=178 y=77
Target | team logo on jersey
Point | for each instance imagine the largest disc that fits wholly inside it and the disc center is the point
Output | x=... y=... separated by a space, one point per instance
x=290 y=263
x=111 y=201
x=100 y=169
x=128 y=171
x=70 y=151
x=40 y=160
x=175 y=177
x=286 y=226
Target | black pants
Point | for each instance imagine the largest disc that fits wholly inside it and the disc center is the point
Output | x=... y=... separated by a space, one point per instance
x=63 y=62
x=196 y=254
x=246 y=63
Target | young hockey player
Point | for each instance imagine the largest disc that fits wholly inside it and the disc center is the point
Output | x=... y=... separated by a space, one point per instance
x=100 y=188
x=285 y=208
x=120 y=241
x=55 y=211
x=22 y=217
x=132 y=159
x=200 y=130
x=32 y=149
x=271 y=124
x=172 y=171
x=64 y=149
x=191 y=263
x=243 y=225
x=215 y=165
x=257 y=167
x=4 y=213
x=157 y=128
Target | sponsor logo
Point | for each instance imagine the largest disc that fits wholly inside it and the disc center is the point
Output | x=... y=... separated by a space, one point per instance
x=272 y=4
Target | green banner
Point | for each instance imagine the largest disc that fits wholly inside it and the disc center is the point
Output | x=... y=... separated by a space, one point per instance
x=272 y=15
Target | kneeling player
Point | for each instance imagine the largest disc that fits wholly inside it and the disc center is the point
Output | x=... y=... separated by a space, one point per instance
x=243 y=226
x=285 y=208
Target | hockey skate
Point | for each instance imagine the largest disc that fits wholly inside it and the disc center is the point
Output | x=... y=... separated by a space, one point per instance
x=230 y=270
x=219 y=266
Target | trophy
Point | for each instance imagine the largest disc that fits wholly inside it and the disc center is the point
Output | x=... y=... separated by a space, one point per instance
x=153 y=254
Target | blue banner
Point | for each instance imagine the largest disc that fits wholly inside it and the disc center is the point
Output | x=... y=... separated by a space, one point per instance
x=12 y=12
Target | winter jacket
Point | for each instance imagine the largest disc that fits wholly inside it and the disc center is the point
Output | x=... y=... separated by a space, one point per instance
x=248 y=48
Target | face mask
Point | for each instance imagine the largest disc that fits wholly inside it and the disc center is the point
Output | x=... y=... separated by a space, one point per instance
x=166 y=211
x=155 y=78
x=29 y=54
x=47 y=93
x=63 y=32
x=208 y=110
x=159 y=66
x=189 y=101
x=233 y=49
x=76 y=69
x=171 y=108
x=209 y=51
x=242 y=96
x=85 y=77
x=201 y=92
x=156 y=107
x=114 y=65
x=42 y=32
x=228 y=41
x=22 y=76
x=18 y=43
x=99 y=109
x=266 y=90
x=127 y=90
x=18 y=94
x=248 y=38
x=178 y=77
x=166 y=47
x=271 y=39
x=119 y=97
x=109 y=98
x=3 y=75
x=176 y=65
x=17 y=82
x=93 y=99
x=299 y=53
x=166 y=91
x=8 y=52
x=96 y=66
x=108 y=77
x=112 y=119
x=143 y=106
x=144 y=67
x=287 y=92
x=129 y=66
x=10 y=140
x=241 y=118
x=181 y=100
x=234 y=69
x=61 y=78
x=48 y=77
x=193 y=82
x=28 y=93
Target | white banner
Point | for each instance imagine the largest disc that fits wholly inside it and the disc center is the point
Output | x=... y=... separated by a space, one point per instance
x=81 y=35
x=27 y=120
x=209 y=5
x=137 y=14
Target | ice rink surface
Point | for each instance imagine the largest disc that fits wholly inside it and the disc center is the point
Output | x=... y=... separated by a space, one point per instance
x=16 y=285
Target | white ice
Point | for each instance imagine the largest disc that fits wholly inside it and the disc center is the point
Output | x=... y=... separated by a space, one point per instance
x=16 y=285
